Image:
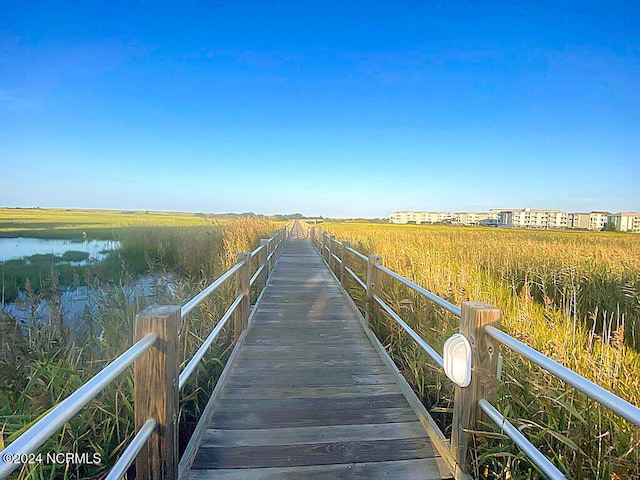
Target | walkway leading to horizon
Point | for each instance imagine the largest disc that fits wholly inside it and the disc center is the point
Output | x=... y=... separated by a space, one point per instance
x=309 y=395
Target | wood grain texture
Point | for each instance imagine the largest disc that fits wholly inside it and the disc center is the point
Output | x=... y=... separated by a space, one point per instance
x=466 y=414
x=308 y=395
x=421 y=469
x=156 y=392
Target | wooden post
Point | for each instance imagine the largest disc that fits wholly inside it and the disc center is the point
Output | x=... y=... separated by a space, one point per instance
x=262 y=260
x=155 y=376
x=332 y=240
x=373 y=287
x=243 y=276
x=466 y=413
x=344 y=258
x=312 y=235
x=269 y=257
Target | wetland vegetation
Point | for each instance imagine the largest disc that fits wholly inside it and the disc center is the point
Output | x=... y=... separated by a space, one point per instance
x=43 y=360
x=574 y=296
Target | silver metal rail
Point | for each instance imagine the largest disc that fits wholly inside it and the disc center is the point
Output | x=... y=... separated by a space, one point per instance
x=44 y=428
x=197 y=300
x=193 y=363
x=40 y=432
x=132 y=450
x=412 y=333
x=257 y=251
x=431 y=296
x=356 y=277
x=336 y=258
x=527 y=447
x=256 y=275
x=590 y=389
x=621 y=407
x=357 y=254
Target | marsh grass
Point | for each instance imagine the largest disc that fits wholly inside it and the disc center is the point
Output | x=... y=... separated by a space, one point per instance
x=42 y=362
x=572 y=296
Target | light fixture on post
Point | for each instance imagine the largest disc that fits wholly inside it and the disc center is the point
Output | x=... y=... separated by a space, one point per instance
x=457 y=359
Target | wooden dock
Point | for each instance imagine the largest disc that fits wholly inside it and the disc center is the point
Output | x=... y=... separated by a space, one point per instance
x=308 y=395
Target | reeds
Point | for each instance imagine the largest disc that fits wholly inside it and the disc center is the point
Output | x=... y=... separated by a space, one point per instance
x=41 y=363
x=573 y=296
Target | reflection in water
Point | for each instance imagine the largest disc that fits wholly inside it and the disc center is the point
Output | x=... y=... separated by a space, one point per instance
x=19 y=247
x=75 y=303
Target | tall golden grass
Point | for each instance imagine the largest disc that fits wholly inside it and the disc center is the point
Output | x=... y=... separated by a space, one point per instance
x=41 y=363
x=573 y=296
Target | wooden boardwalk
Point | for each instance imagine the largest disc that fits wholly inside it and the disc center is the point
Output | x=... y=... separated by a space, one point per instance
x=307 y=394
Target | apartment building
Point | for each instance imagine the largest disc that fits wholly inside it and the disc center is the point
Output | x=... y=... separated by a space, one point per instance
x=597 y=220
x=421 y=217
x=469 y=218
x=626 y=221
x=532 y=218
x=404 y=217
x=526 y=218
x=578 y=220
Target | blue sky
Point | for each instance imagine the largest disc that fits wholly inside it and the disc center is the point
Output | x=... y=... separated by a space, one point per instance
x=335 y=109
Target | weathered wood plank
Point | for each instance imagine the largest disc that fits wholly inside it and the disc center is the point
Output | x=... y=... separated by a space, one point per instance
x=319 y=362
x=423 y=469
x=267 y=406
x=306 y=418
x=309 y=395
x=310 y=391
x=305 y=381
x=215 y=437
x=254 y=370
x=313 y=454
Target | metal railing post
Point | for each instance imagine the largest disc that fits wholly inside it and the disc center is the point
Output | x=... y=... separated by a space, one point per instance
x=373 y=287
x=156 y=391
x=243 y=277
x=344 y=258
x=484 y=366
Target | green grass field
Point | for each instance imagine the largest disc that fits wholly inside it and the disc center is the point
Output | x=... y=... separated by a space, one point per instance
x=100 y=224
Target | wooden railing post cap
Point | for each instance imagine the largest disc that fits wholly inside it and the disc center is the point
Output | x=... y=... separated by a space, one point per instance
x=478 y=306
x=159 y=311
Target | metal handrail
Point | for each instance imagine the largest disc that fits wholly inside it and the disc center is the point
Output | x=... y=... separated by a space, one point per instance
x=590 y=389
x=257 y=251
x=336 y=258
x=597 y=393
x=521 y=441
x=356 y=277
x=412 y=333
x=193 y=363
x=197 y=300
x=431 y=296
x=44 y=428
x=256 y=275
x=357 y=254
x=131 y=452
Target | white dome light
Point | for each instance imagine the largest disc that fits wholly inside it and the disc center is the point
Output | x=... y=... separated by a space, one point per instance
x=457 y=359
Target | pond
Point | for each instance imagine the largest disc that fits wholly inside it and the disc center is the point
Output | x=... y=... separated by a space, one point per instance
x=20 y=247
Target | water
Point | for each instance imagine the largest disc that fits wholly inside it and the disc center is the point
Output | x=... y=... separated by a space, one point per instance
x=19 y=247
x=76 y=302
